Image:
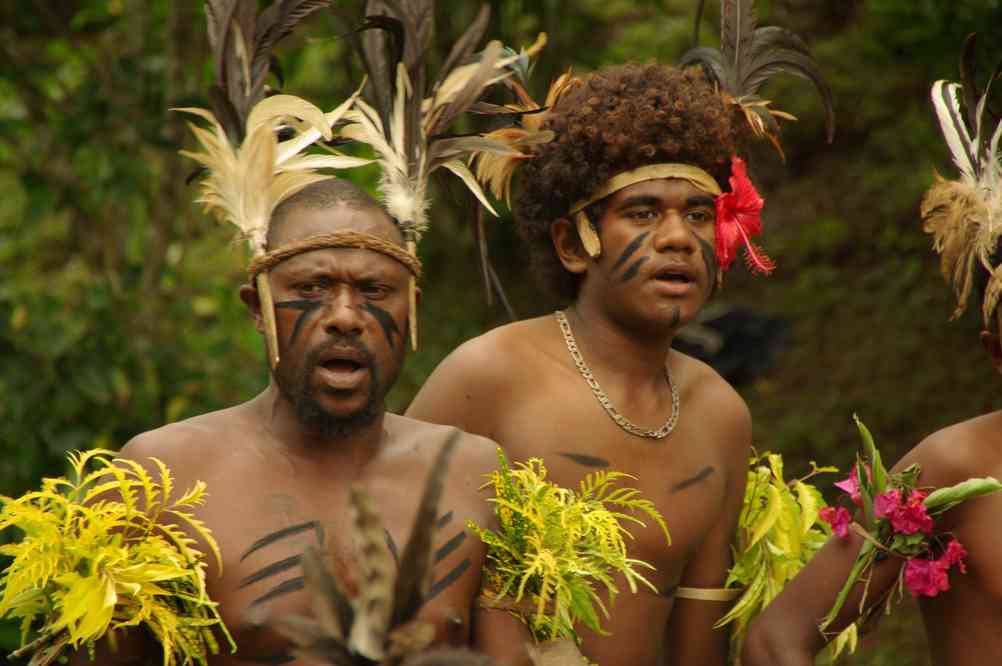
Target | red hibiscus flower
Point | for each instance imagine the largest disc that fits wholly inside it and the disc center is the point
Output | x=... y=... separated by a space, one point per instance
x=926 y=578
x=738 y=220
x=886 y=504
x=851 y=485
x=954 y=556
x=912 y=516
x=839 y=518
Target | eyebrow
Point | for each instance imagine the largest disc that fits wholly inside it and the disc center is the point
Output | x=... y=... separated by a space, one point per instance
x=699 y=200
x=639 y=200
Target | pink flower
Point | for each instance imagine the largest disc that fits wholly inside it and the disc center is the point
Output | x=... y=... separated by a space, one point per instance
x=912 y=516
x=738 y=219
x=839 y=518
x=851 y=485
x=954 y=556
x=886 y=503
x=926 y=578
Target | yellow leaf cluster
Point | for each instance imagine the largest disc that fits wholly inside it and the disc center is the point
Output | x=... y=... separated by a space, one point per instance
x=555 y=546
x=779 y=531
x=105 y=551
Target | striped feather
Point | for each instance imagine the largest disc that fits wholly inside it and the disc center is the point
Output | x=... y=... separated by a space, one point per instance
x=946 y=102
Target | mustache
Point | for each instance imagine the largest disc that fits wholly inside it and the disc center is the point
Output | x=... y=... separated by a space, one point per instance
x=339 y=341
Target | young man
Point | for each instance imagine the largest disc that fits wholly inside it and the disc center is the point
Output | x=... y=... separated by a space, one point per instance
x=279 y=467
x=619 y=210
x=963 y=622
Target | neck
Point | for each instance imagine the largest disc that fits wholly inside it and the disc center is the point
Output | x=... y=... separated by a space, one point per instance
x=288 y=433
x=629 y=351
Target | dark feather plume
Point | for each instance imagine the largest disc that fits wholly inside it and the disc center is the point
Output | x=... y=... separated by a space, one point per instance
x=749 y=56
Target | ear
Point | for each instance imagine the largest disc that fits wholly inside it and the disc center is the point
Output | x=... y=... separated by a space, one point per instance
x=568 y=246
x=993 y=345
x=248 y=294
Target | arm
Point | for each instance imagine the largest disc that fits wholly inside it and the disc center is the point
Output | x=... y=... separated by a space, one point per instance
x=501 y=636
x=786 y=633
x=691 y=638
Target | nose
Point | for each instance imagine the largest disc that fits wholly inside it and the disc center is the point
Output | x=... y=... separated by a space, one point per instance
x=674 y=235
x=343 y=314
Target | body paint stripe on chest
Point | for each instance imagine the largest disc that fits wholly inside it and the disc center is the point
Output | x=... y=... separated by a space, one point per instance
x=271 y=570
x=278 y=535
x=444 y=519
x=634 y=268
x=386 y=322
x=693 y=480
x=307 y=309
x=285 y=587
x=447 y=580
x=449 y=546
x=587 y=461
x=629 y=250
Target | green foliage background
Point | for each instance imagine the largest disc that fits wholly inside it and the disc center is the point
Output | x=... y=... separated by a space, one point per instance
x=118 y=306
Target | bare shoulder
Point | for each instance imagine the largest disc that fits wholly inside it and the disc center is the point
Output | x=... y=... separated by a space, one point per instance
x=473 y=453
x=716 y=402
x=491 y=355
x=958 y=452
x=178 y=443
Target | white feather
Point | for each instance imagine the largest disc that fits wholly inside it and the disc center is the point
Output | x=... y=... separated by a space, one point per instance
x=287 y=149
x=461 y=170
x=946 y=102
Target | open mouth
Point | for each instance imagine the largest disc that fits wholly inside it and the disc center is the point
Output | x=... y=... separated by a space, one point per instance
x=674 y=277
x=342 y=365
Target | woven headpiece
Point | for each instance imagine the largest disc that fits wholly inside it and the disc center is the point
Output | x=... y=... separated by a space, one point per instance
x=964 y=216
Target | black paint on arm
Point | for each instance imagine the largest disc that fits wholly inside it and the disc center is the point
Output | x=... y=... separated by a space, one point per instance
x=307 y=309
x=629 y=250
x=587 y=461
x=632 y=271
x=448 y=579
x=452 y=544
x=693 y=480
x=385 y=319
x=278 y=535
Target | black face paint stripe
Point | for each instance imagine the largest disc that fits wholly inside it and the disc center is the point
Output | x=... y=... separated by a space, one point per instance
x=710 y=261
x=676 y=316
x=278 y=535
x=631 y=272
x=386 y=322
x=270 y=660
x=392 y=545
x=629 y=250
x=449 y=546
x=587 y=461
x=285 y=587
x=693 y=480
x=447 y=580
x=271 y=570
x=308 y=309
x=444 y=520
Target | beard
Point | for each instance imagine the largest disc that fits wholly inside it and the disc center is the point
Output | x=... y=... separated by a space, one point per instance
x=296 y=387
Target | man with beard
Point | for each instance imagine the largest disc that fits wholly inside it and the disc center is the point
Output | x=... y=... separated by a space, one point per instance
x=279 y=467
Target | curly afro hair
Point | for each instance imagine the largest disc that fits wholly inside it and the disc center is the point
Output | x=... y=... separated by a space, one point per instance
x=620 y=118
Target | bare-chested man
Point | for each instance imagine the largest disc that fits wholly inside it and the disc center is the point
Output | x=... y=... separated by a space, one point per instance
x=964 y=623
x=278 y=467
x=551 y=387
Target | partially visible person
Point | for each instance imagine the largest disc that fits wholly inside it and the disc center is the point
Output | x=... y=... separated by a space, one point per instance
x=963 y=623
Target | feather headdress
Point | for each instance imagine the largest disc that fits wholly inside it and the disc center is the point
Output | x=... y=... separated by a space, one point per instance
x=748 y=57
x=249 y=171
x=379 y=624
x=405 y=120
x=964 y=216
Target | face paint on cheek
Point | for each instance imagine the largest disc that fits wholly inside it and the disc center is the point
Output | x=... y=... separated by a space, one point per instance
x=631 y=272
x=307 y=309
x=629 y=250
x=710 y=261
x=386 y=322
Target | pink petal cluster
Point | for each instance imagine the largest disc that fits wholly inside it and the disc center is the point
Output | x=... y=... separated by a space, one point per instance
x=927 y=578
x=851 y=486
x=738 y=220
x=839 y=518
x=907 y=517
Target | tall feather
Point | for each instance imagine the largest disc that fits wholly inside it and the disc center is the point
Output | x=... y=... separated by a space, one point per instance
x=965 y=216
x=748 y=57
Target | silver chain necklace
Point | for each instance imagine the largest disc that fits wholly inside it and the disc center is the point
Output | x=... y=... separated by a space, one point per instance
x=603 y=399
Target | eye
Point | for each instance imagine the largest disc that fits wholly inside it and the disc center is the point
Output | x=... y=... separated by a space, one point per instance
x=700 y=216
x=310 y=289
x=373 y=290
x=643 y=214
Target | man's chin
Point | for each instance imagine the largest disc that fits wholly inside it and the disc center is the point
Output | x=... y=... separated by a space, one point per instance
x=336 y=421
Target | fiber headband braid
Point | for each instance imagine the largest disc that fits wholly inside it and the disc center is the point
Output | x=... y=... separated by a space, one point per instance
x=249 y=172
x=964 y=216
x=405 y=121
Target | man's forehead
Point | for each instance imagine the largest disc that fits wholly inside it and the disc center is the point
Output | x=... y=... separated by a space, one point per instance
x=303 y=222
x=660 y=188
